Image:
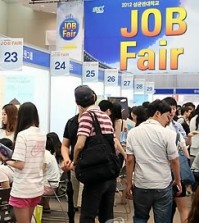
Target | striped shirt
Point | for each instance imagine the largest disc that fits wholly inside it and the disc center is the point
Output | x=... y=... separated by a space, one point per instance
x=86 y=124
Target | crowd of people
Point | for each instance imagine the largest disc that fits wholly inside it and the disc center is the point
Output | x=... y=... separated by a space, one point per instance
x=145 y=144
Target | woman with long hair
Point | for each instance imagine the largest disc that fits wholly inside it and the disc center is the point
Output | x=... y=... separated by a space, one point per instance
x=27 y=160
x=9 y=121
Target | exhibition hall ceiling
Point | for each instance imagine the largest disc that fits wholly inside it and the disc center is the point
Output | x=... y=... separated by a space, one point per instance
x=39 y=5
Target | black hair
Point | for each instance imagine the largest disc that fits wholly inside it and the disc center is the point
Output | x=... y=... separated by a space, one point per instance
x=116 y=113
x=171 y=101
x=53 y=144
x=158 y=105
x=7 y=142
x=105 y=105
x=27 y=116
x=141 y=113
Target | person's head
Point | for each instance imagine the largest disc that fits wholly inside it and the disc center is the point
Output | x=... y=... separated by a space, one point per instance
x=7 y=142
x=173 y=104
x=27 y=117
x=186 y=111
x=106 y=106
x=139 y=114
x=53 y=144
x=194 y=212
x=9 y=117
x=85 y=96
x=145 y=104
x=160 y=111
x=190 y=105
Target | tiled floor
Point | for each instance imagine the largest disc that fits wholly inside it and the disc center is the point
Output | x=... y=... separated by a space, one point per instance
x=119 y=211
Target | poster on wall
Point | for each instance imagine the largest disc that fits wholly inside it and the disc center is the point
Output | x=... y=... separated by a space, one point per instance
x=148 y=37
x=70 y=28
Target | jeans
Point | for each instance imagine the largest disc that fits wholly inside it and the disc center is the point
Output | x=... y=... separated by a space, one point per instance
x=158 y=199
x=98 y=200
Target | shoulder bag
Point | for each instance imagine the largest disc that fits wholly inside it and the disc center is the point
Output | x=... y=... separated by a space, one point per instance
x=186 y=173
x=97 y=162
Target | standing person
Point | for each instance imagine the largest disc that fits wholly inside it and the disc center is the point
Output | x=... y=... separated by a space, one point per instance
x=67 y=150
x=9 y=121
x=181 y=201
x=27 y=160
x=97 y=198
x=151 y=153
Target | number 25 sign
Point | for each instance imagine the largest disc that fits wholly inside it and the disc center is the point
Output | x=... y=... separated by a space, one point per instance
x=90 y=71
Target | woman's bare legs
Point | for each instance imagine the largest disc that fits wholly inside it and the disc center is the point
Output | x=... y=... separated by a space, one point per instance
x=23 y=215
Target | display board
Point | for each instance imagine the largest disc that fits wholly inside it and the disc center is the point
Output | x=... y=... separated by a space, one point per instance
x=30 y=84
x=149 y=36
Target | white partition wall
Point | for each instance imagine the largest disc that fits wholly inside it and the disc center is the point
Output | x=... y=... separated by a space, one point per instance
x=62 y=106
x=31 y=84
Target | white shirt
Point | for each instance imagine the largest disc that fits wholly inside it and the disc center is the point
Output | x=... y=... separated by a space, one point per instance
x=153 y=146
x=6 y=173
x=51 y=171
x=4 y=135
x=29 y=148
x=195 y=138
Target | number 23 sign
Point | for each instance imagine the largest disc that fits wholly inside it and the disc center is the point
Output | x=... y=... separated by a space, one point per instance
x=11 y=53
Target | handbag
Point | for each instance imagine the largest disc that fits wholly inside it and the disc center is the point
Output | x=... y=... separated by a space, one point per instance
x=97 y=162
x=186 y=173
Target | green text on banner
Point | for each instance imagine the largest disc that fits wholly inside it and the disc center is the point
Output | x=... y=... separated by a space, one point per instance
x=11 y=53
x=59 y=63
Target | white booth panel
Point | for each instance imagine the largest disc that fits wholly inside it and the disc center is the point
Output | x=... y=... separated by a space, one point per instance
x=30 y=84
x=63 y=104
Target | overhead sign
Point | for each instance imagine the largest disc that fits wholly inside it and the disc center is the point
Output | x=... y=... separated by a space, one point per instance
x=149 y=87
x=90 y=71
x=139 y=86
x=59 y=63
x=11 y=53
x=127 y=82
x=111 y=77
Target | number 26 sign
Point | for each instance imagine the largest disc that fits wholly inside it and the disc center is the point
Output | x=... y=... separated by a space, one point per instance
x=11 y=53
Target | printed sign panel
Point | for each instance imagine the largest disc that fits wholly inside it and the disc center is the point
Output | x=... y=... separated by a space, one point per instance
x=11 y=53
x=59 y=63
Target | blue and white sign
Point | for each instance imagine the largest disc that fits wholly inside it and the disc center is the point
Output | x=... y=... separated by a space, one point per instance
x=11 y=53
x=90 y=71
x=149 y=87
x=139 y=86
x=59 y=63
x=127 y=82
x=111 y=77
